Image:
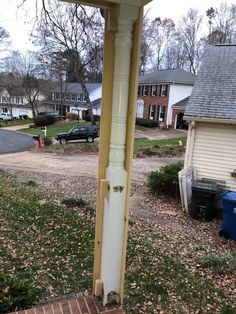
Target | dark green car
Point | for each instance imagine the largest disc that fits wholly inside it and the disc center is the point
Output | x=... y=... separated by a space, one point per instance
x=88 y=133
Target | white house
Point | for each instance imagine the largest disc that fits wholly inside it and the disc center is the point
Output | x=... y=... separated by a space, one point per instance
x=18 y=102
x=70 y=98
x=211 y=111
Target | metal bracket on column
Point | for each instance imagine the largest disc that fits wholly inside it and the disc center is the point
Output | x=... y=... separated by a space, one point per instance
x=104 y=188
x=98 y=289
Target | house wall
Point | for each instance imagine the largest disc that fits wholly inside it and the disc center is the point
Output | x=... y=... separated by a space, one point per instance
x=177 y=93
x=96 y=94
x=17 y=112
x=155 y=100
x=211 y=150
x=79 y=111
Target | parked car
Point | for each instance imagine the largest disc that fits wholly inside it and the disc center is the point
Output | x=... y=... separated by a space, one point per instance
x=88 y=133
x=53 y=116
x=5 y=116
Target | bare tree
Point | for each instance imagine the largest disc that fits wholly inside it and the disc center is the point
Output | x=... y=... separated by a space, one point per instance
x=189 y=33
x=223 y=24
x=27 y=67
x=145 y=54
x=160 y=34
x=75 y=31
x=4 y=38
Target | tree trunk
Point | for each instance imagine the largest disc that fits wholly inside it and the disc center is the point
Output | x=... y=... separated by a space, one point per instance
x=87 y=99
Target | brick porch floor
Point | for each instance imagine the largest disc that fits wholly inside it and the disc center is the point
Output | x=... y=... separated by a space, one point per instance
x=76 y=305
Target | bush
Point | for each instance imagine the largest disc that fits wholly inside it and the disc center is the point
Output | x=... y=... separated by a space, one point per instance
x=165 y=181
x=147 y=123
x=220 y=263
x=47 y=141
x=16 y=294
x=96 y=117
x=43 y=120
x=72 y=116
x=87 y=117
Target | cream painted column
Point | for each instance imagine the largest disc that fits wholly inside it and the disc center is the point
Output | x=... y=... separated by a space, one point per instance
x=114 y=207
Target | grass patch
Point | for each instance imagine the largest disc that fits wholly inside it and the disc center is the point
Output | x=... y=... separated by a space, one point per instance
x=15 y=122
x=51 y=246
x=154 y=278
x=53 y=130
x=142 y=128
x=159 y=148
x=45 y=243
x=224 y=263
x=144 y=143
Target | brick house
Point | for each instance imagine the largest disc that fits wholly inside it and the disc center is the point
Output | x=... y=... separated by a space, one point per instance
x=159 y=91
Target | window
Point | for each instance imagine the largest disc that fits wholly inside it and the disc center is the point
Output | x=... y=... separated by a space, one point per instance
x=139 y=90
x=67 y=96
x=154 y=90
x=162 y=113
x=82 y=97
x=57 y=96
x=5 y=109
x=145 y=90
x=152 y=112
x=163 y=90
x=56 y=108
x=73 y=97
x=67 y=108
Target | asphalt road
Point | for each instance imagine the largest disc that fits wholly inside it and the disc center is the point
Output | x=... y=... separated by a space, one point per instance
x=13 y=142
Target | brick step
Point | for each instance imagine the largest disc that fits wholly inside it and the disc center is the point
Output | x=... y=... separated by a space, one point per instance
x=78 y=305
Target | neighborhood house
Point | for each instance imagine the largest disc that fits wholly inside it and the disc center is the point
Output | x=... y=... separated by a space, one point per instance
x=17 y=103
x=160 y=91
x=211 y=110
x=69 y=98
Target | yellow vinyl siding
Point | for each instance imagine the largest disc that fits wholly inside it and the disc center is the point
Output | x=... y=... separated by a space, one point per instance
x=214 y=152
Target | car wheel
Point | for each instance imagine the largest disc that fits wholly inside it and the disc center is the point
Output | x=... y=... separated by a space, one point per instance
x=63 y=141
x=90 y=139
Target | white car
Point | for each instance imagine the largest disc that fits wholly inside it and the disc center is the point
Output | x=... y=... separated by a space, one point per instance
x=5 y=116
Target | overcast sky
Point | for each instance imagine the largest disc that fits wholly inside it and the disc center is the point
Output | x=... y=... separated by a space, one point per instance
x=19 y=22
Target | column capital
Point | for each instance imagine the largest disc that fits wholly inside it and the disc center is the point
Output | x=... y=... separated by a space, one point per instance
x=121 y=12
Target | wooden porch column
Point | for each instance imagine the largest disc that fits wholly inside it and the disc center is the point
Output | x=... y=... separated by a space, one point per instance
x=119 y=98
x=121 y=62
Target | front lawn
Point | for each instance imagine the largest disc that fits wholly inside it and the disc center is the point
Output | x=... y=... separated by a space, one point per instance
x=53 y=130
x=50 y=242
x=15 y=122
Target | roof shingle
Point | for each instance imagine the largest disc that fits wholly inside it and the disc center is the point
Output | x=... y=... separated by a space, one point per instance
x=214 y=92
x=177 y=76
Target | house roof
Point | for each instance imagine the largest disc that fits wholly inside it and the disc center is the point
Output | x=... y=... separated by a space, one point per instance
x=18 y=91
x=177 y=76
x=214 y=92
x=181 y=104
x=76 y=87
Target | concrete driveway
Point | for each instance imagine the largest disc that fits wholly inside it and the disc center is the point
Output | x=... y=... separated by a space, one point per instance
x=12 y=142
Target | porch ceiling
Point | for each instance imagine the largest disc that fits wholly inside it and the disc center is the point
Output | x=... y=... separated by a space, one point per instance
x=110 y=3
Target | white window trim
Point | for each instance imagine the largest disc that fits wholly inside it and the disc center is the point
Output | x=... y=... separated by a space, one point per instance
x=144 y=90
x=163 y=90
x=152 y=93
